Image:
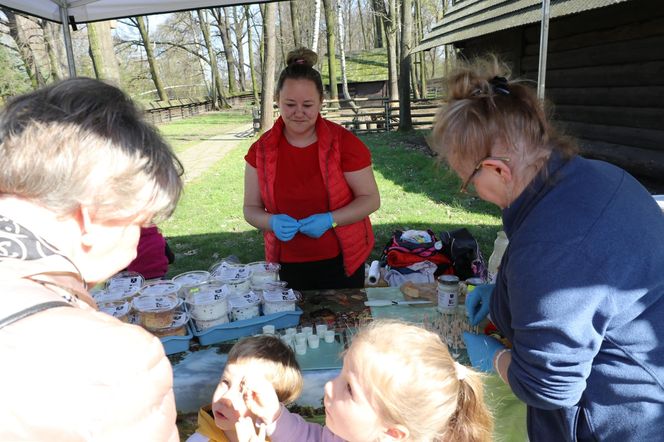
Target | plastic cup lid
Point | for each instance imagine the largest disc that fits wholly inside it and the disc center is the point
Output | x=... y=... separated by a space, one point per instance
x=264 y=266
x=117 y=309
x=155 y=304
x=207 y=293
x=160 y=288
x=126 y=282
x=243 y=301
x=232 y=274
x=279 y=295
x=192 y=278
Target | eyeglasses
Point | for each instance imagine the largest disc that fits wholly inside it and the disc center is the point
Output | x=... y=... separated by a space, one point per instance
x=478 y=166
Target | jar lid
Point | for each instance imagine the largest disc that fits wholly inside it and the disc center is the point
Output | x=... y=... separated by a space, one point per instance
x=280 y=295
x=243 y=301
x=264 y=266
x=475 y=281
x=160 y=288
x=207 y=293
x=155 y=304
x=191 y=278
x=448 y=279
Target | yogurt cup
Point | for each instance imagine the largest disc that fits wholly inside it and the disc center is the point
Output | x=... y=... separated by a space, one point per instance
x=124 y=285
x=177 y=328
x=276 y=301
x=245 y=306
x=190 y=279
x=207 y=301
x=156 y=312
x=118 y=309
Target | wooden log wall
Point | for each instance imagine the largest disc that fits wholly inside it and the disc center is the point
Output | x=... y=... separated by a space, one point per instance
x=605 y=77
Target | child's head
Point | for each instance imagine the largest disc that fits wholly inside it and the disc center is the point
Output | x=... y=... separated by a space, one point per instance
x=257 y=356
x=400 y=381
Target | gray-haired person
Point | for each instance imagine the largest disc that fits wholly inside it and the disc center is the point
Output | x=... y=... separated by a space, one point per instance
x=80 y=173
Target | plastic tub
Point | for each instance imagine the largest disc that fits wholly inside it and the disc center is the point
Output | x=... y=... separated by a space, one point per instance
x=202 y=324
x=190 y=279
x=177 y=344
x=263 y=272
x=160 y=288
x=178 y=327
x=275 y=301
x=124 y=285
x=156 y=312
x=245 y=306
x=118 y=309
x=207 y=301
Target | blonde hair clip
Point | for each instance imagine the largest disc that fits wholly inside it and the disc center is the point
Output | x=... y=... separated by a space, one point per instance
x=461 y=371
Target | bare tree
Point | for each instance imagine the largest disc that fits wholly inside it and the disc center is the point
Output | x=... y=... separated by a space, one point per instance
x=102 y=52
x=405 y=119
x=295 y=23
x=365 y=44
x=54 y=48
x=342 y=53
x=221 y=23
x=267 y=90
x=328 y=5
x=389 y=22
x=212 y=56
x=238 y=30
x=314 y=43
x=379 y=12
x=252 y=70
x=149 y=53
x=27 y=56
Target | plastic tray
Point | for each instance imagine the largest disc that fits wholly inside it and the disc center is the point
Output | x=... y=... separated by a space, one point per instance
x=247 y=327
x=177 y=344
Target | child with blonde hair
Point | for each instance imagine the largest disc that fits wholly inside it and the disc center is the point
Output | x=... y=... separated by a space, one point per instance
x=265 y=358
x=398 y=382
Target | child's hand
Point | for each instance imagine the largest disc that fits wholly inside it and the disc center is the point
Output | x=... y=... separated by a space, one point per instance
x=246 y=432
x=261 y=399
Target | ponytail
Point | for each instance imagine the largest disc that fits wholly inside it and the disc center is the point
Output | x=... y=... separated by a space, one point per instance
x=472 y=420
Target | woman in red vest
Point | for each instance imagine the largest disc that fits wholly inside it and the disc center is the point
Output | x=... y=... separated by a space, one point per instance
x=310 y=187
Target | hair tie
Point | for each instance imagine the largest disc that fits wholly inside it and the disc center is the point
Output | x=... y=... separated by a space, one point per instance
x=300 y=61
x=499 y=85
x=461 y=371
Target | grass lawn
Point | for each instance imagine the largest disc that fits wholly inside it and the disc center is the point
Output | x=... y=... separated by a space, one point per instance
x=185 y=133
x=415 y=193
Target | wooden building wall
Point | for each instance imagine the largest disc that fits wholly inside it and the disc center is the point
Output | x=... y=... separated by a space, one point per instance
x=605 y=77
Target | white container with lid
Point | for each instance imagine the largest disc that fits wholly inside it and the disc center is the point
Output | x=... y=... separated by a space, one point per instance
x=229 y=271
x=448 y=293
x=263 y=272
x=207 y=301
x=245 y=306
x=177 y=328
x=236 y=278
x=202 y=324
x=156 y=311
x=190 y=279
x=276 y=301
x=124 y=285
x=118 y=309
x=160 y=288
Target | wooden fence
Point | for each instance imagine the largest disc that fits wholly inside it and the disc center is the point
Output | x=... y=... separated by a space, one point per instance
x=161 y=112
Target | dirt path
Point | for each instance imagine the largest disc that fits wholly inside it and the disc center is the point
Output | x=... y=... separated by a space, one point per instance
x=200 y=157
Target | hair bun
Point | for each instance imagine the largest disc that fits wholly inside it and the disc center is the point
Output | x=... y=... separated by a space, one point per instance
x=302 y=56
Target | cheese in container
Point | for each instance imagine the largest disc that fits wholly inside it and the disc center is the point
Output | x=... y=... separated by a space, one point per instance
x=156 y=312
x=118 y=309
x=190 y=279
x=263 y=272
x=277 y=301
x=202 y=324
x=245 y=306
x=178 y=327
x=236 y=278
x=208 y=301
x=124 y=285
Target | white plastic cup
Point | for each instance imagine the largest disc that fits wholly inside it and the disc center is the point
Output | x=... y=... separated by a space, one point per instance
x=268 y=329
x=287 y=339
x=320 y=329
x=313 y=340
x=300 y=338
x=329 y=336
x=308 y=330
x=301 y=349
x=291 y=331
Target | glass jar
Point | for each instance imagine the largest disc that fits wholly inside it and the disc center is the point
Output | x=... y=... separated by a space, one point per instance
x=448 y=293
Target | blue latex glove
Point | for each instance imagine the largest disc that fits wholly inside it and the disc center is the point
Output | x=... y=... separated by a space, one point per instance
x=284 y=226
x=481 y=350
x=315 y=225
x=477 y=302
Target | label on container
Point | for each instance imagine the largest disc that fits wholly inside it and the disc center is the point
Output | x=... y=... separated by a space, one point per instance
x=448 y=296
x=280 y=295
x=192 y=278
x=160 y=288
x=242 y=301
x=117 y=309
x=208 y=296
x=127 y=285
x=230 y=273
x=155 y=303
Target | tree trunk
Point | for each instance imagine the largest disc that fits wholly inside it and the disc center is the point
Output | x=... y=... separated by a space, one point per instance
x=342 y=53
x=23 y=48
x=222 y=26
x=365 y=45
x=252 y=69
x=102 y=53
x=267 y=90
x=212 y=56
x=405 y=119
x=152 y=62
x=53 y=47
x=282 y=38
x=391 y=39
x=295 y=24
x=379 y=18
x=314 y=44
x=238 y=28
x=332 y=70
x=421 y=54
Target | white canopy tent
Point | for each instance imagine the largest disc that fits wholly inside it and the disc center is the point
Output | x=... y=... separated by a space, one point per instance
x=83 y=11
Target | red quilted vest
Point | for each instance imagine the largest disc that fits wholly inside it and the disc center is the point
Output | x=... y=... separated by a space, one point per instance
x=356 y=240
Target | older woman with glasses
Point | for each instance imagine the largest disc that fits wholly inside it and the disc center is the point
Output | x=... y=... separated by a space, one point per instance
x=580 y=290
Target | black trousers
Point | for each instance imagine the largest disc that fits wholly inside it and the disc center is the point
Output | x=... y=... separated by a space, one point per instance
x=317 y=275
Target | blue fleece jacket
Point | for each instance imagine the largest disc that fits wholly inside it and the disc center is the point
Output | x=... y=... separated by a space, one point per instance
x=580 y=294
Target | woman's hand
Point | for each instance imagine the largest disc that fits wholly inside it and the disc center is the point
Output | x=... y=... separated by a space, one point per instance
x=477 y=302
x=284 y=226
x=315 y=225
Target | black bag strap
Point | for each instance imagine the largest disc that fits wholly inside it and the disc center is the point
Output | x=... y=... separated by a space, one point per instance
x=31 y=311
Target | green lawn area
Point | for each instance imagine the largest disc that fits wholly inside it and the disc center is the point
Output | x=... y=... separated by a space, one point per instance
x=415 y=193
x=185 y=133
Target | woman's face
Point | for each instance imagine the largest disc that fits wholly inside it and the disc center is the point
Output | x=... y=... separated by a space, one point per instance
x=348 y=412
x=487 y=179
x=299 y=104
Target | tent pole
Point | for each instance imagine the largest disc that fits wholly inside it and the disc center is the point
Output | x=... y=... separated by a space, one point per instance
x=543 y=49
x=64 y=17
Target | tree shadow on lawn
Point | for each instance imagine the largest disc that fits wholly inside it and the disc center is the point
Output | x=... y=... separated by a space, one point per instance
x=201 y=251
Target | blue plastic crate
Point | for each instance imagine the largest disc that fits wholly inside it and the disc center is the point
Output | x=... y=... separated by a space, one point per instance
x=177 y=344
x=246 y=327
